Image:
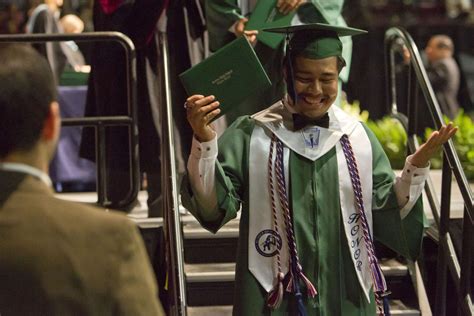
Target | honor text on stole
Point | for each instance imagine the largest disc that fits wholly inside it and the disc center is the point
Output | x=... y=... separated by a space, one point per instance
x=354 y=220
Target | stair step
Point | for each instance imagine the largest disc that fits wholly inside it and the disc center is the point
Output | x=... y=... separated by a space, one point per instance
x=206 y=287
x=225 y=310
x=396 y=308
x=213 y=283
x=225 y=272
x=200 y=233
x=193 y=230
x=393 y=268
x=202 y=246
x=210 y=272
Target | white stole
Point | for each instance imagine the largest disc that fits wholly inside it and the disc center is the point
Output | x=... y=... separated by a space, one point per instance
x=263 y=238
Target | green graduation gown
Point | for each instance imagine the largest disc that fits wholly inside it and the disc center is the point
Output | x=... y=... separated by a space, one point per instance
x=321 y=242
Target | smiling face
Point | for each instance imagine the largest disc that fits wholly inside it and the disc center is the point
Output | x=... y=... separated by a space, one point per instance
x=316 y=85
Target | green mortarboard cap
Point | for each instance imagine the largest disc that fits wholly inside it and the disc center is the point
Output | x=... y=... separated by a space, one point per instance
x=315 y=40
x=312 y=38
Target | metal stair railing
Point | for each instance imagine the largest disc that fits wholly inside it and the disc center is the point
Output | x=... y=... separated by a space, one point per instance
x=99 y=123
x=460 y=269
x=171 y=220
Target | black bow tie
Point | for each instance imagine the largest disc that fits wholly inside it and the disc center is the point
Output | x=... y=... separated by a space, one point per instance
x=301 y=121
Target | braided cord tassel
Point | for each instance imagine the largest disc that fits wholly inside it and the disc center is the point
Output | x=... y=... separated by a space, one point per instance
x=275 y=296
x=380 y=286
x=296 y=271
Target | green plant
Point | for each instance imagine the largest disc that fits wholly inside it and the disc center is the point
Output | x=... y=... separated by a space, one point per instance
x=353 y=109
x=393 y=138
x=388 y=131
x=463 y=142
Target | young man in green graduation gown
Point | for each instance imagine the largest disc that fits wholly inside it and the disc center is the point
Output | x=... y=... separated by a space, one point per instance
x=227 y=19
x=314 y=187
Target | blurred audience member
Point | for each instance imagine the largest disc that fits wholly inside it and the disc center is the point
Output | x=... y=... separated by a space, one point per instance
x=71 y=24
x=443 y=72
x=63 y=258
x=45 y=18
x=12 y=18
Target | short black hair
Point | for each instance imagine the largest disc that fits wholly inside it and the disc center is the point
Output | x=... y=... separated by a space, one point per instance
x=27 y=89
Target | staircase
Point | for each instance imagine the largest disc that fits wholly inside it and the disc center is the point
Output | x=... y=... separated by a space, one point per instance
x=210 y=259
x=210 y=266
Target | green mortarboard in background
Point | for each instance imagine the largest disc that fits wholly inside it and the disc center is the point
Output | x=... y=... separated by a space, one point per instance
x=314 y=37
x=315 y=40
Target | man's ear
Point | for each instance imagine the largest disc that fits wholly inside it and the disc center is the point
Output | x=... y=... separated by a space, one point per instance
x=52 y=124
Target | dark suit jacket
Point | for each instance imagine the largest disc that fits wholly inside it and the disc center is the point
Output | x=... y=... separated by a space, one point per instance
x=444 y=77
x=64 y=258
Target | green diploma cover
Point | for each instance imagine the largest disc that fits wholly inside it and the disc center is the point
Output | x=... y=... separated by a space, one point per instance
x=231 y=74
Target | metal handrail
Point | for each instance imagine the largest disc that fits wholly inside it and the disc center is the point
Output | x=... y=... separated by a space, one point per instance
x=100 y=122
x=173 y=231
x=447 y=257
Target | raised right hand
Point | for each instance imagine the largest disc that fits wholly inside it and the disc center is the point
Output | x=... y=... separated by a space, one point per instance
x=200 y=111
x=433 y=145
x=240 y=30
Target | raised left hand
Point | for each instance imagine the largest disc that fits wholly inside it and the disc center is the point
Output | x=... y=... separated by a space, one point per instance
x=426 y=151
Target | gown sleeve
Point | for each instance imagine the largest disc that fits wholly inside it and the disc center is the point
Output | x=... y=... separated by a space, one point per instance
x=221 y=15
x=231 y=172
x=401 y=235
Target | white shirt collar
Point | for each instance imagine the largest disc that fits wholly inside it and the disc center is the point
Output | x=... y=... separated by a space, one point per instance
x=312 y=142
x=339 y=121
x=23 y=168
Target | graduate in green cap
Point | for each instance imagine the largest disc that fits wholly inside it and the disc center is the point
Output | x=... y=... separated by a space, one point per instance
x=314 y=187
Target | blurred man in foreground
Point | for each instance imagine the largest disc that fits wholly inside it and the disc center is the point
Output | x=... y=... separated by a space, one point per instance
x=57 y=257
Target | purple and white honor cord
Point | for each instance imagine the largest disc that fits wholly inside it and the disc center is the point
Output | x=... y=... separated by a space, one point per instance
x=380 y=287
x=295 y=270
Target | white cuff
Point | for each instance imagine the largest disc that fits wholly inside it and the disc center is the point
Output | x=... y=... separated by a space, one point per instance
x=204 y=150
x=413 y=174
x=409 y=186
x=201 y=171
